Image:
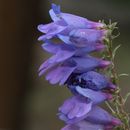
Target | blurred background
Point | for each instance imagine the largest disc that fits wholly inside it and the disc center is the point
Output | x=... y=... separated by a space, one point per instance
x=28 y=102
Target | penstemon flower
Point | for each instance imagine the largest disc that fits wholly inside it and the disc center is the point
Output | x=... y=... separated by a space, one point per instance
x=72 y=65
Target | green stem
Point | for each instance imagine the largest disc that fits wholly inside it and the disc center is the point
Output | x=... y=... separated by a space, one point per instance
x=118 y=105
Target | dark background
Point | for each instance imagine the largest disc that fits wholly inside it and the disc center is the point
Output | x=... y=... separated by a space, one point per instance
x=28 y=102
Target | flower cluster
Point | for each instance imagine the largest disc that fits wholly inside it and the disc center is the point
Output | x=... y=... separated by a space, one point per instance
x=71 y=39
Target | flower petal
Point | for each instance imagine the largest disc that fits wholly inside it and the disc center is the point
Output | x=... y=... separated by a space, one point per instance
x=82 y=37
x=73 y=20
x=64 y=53
x=95 y=96
x=51 y=47
x=56 y=8
x=51 y=30
x=94 y=80
x=75 y=109
x=82 y=51
x=53 y=15
x=59 y=74
x=87 y=63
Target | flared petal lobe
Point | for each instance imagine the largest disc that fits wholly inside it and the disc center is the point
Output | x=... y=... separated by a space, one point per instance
x=74 y=109
x=51 y=31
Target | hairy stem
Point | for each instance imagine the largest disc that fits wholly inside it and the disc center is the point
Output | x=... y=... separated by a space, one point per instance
x=119 y=104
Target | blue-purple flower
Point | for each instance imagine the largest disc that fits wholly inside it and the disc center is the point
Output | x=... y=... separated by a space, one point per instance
x=80 y=108
x=72 y=29
x=69 y=50
x=60 y=71
x=72 y=65
x=72 y=20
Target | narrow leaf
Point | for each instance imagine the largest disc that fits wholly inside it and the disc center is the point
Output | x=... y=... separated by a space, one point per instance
x=123 y=74
x=115 y=50
x=127 y=96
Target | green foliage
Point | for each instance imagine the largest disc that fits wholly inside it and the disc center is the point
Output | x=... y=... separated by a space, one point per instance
x=117 y=105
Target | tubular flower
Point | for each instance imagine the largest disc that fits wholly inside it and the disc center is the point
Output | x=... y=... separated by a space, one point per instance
x=76 y=109
x=71 y=64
